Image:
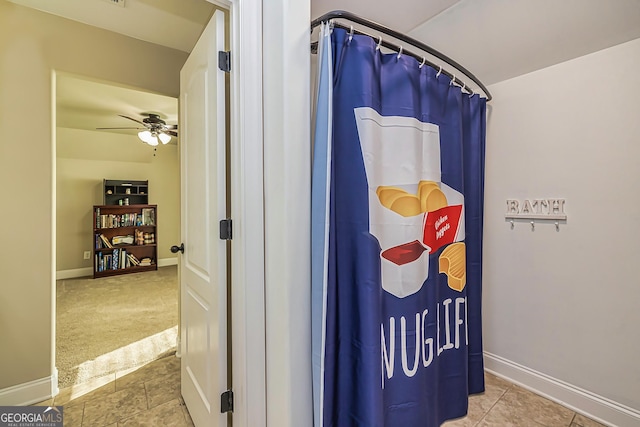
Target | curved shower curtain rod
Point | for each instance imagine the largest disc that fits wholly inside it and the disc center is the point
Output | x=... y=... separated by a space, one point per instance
x=341 y=14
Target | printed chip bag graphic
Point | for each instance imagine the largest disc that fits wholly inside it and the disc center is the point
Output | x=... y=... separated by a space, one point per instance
x=412 y=212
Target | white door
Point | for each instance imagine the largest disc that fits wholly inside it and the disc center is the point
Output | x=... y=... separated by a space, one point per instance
x=203 y=268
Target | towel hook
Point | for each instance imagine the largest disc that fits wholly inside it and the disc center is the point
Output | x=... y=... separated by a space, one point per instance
x=423 y=61
x=399 y=53
x=351 y=34
x=533 y=226
x=512 y=224
x=557 y=226
x=379 y=43
x=439 y=71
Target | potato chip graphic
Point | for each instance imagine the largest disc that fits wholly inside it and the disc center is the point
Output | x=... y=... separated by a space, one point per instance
x=424 y=185
x=399 y=201
x=407 y=205
x=431 y=197
x=388 y=194
x=452 y=262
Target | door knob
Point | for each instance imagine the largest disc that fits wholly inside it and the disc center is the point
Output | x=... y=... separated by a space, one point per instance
x=175 y=249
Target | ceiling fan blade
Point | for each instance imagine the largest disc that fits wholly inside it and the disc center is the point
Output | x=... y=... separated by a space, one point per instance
x=171 y=127
x=172 y=133
x=119 y=128
x=137 y=121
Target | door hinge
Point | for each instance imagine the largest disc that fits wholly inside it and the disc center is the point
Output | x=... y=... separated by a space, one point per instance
x=224 y=61
x=225 y=229
x=226 y=402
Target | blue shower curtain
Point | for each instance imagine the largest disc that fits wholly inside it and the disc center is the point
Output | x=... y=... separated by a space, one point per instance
x=397 y=203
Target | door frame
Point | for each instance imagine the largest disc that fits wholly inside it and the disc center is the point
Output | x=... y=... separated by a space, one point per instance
x=270 y=120
x=248 y=326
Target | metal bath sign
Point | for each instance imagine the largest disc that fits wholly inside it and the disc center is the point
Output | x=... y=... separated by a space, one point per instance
x=552 y=209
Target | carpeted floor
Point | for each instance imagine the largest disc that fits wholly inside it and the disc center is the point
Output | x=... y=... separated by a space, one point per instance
x=111 y=324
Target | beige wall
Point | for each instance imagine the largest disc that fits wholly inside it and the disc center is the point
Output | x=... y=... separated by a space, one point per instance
x=32 y=45
x=84 y=159
x=564 y=303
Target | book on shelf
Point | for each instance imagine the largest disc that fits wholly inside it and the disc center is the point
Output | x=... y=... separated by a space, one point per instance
x=133 y=260
x=122 y=240
x=122 y=260
x=102 y=242
x=115 y=263
x=145 y=262
x=148 y=216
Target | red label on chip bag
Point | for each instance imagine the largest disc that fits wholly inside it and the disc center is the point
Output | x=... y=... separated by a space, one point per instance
x=441 y=226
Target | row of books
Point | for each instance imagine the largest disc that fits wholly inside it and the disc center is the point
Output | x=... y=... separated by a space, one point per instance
x=119 y=259
x=102 y=242
x=147 y=217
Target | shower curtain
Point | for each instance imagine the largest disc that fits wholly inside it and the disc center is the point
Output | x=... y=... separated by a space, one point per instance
x=397 y=203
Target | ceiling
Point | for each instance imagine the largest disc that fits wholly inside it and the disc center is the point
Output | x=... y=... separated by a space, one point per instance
x=172 y=23
x=403 y=16
x=89 y=104
x=494 y=39
x=500 y=39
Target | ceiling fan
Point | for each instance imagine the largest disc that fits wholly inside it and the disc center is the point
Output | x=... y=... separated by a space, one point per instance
x=154 y=129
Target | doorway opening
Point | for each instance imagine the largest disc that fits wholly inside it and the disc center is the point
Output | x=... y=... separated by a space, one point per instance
x=113 y=324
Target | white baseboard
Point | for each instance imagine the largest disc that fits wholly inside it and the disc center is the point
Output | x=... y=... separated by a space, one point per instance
x=88 y=271
x=164 y=262
x=29 y=393
x=76 y=272
x=579 y=400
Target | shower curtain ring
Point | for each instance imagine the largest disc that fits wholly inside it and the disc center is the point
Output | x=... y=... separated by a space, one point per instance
x=453 y=80
x=464 y=86
x=379 y=43
x=472 y=92
x=351 y=34
x=439 y=71
x=399 y=53
x=423 y=61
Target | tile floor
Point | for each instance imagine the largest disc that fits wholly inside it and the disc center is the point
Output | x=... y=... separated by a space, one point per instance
x=150 y=396
x=504 y=404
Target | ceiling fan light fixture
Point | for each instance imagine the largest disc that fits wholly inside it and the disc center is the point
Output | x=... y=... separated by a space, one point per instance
x=164 y=138
x=145 y=136
x=148 y=137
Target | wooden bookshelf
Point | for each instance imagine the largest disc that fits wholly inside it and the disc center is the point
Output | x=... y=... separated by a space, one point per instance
x=125 y=237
